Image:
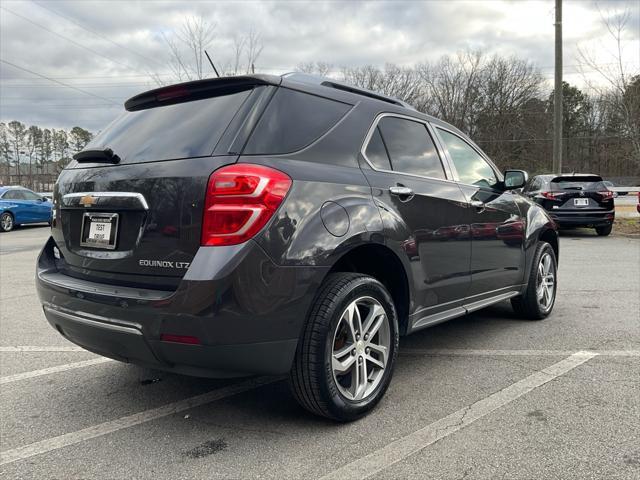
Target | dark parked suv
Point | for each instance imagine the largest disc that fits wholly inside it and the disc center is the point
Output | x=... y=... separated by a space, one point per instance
x=271 y=225
x=574 y=200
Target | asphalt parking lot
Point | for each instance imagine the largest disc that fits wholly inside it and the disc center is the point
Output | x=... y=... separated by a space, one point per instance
x=485 y=396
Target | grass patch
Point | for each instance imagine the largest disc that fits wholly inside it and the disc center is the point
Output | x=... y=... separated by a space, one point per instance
x=629 y=226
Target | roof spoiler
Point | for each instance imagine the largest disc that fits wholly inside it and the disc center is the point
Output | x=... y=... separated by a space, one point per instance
x=196 y=90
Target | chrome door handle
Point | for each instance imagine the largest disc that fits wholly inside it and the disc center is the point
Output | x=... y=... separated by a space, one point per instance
x=401 y=191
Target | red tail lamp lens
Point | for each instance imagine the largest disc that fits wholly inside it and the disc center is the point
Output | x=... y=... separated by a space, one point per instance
x=240 y=201
x=606 y=195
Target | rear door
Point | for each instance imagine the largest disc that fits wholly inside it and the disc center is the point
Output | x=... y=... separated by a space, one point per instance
x=21 y=211
x=133 y=215
x=423 y=211
x=497 y=228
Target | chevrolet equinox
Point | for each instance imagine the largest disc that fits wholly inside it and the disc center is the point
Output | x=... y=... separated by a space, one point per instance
x=285 y=225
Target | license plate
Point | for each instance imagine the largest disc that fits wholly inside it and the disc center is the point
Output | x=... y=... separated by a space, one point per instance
x=581 y=202
x=99 y=230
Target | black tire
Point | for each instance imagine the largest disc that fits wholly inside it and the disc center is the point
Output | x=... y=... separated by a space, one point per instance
x=6 y=222
x=527 y=305
x=312 y=377
x=604 y=231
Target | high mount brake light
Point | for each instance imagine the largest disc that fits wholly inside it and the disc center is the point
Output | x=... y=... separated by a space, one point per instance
x=240 y=200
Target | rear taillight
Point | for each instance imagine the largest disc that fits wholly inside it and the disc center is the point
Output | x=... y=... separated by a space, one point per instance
x=606 y=195
x=552 y=195
x=240 y=200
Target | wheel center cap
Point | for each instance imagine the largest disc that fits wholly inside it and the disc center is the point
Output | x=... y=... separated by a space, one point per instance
x=360 y=346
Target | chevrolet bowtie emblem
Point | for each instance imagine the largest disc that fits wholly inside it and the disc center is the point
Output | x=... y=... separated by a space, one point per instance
x=88 y=201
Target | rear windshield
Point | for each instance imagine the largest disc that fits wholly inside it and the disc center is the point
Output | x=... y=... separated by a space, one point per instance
x=577 y=183
x=292 y=121
x=168 y=132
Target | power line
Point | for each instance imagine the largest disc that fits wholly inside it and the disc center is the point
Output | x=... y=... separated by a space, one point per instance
x=57 y=81
x=98 y=34
x=68 y=39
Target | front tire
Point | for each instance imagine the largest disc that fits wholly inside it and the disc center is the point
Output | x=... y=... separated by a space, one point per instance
x=604 y=231
x=6 y=222
x=347 y=351
x=539 y=298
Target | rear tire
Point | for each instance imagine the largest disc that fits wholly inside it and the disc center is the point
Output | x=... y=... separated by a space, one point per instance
x=537 y=302
x=347 y=351
x=604 y=231
x=6 y=222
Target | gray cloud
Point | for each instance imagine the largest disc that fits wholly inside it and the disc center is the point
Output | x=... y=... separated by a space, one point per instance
x=341 y=33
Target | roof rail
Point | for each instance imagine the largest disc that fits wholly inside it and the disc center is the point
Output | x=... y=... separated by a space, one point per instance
x=328 y=82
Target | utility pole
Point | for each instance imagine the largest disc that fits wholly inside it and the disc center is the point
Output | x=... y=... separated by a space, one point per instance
x=557 y=97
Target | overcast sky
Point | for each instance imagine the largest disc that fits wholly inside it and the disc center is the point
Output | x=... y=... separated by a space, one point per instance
x=108 y=49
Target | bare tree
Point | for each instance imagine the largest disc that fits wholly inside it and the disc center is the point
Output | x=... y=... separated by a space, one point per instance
x=187 y=58
x=187 y=47
x=323 y=69
x=617 y=85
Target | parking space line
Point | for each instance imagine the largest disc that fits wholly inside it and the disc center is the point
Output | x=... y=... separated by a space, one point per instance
x=46 y=371
x=67 y=439
x=406 y=446
x=44 y=348
x=513 y=353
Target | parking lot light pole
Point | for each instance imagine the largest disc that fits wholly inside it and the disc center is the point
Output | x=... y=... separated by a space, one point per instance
x=557 y=97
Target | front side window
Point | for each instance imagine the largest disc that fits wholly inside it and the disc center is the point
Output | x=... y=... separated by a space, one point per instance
x=410 y=147
x=30 y=195
x=472 y=168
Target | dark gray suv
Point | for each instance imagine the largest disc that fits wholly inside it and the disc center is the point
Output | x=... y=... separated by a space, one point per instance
x=271 y=225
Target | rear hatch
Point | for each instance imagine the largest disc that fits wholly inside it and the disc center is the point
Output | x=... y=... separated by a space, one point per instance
x=129 y=207
x=577 y=193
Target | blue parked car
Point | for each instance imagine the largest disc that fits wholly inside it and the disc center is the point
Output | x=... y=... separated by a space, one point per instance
x=19 y=205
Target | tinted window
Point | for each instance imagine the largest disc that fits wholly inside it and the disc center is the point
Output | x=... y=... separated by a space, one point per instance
x=181 y=130
x=410 y=147
x=376 y=151
x=12 y=195
x=30 y=195
x=472 y=168
x=292 y=121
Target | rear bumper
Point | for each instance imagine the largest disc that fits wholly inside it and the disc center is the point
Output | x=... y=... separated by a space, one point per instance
x=245 y=311
x=583 y=218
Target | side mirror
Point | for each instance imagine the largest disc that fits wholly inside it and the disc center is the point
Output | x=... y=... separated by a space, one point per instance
x=515 y=179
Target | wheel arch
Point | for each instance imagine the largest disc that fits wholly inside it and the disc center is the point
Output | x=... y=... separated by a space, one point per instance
x=387 y=268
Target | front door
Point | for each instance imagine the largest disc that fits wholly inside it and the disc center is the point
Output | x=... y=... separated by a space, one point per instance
x=497 y=228
x=423 y=212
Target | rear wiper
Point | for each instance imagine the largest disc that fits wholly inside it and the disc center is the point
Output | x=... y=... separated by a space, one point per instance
x=95 y=155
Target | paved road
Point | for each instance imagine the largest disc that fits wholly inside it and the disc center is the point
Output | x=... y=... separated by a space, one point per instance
x=485 y=396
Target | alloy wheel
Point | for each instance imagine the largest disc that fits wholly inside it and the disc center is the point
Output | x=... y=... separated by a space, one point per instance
x=6 y=222
x=546 y=280
x=360 y=348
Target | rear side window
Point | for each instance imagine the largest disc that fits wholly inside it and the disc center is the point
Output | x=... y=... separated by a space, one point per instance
x=12 y=195
x=376 y=152
x=181 y=130
x=293 y=120
x=410 y=147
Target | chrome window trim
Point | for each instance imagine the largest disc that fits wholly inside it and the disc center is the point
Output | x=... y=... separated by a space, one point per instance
x=446 y=169
x=475 y=148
